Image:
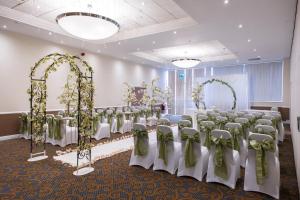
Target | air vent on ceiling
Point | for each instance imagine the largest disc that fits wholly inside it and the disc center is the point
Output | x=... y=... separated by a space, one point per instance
x=253 y=59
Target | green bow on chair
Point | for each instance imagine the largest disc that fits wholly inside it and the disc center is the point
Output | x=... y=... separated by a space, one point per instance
x=260 y=148
x=127 y=116
x=135 y=117
x=140 y=148
x=50 y=122
x=119 y=117
x=163 y=141
x=276 y=121
x=183 y=125
x=189 y=156
x=245 y=126
x=101 y=115
x=207 y=130
x=57 y=127
x=219 y=157
x=109 y=118
x=158 y=113
x=236 y=134
x=221 y=123
x=24 y=123
x=96 y=119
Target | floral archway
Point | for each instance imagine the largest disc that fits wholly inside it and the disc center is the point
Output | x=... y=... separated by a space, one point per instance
x=85 y=103
x=199 y=89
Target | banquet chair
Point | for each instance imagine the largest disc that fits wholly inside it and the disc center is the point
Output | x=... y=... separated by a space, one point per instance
x=164 y=121
x=120 y=124
x=102 y=129
x=199 y=118
x=274 y=109
x=182 y=124
x=280 y=127
x=187 y=117
x=220 y=122
x=240 y=114
x=231 y=116
x=193 y=161
x=109 y=117
x=268 y=130
x=239 y=142
x=167 y=151
x=151 y=119
x=223 y=113
x=142 y=118
x=224 y=161
x=258 y=115
x=257 y=180
x=245 y=125
x=25 y=125
x=143 y=151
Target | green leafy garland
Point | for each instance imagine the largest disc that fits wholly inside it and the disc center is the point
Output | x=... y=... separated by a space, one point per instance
x=223 y=83
x=39 y=96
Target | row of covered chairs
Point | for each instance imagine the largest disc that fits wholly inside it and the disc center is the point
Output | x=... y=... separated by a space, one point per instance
x=219 y=160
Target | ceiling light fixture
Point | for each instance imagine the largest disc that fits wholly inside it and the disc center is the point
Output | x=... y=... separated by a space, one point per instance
x=240 y=26
x=186 y=62
x=174 y=32
x=50 y=33
x=87 y=26
x=226 y=1
x=4 y=26
x=254 y=50
x=249 y=40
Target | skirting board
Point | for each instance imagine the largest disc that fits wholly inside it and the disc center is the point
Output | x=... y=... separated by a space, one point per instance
x=10 y=137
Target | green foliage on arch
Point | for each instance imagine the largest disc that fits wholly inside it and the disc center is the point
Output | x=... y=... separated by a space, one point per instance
x=38 y=95
x=223 y=83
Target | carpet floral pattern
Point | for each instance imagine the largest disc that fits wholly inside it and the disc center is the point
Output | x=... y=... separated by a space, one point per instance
x=114 y=179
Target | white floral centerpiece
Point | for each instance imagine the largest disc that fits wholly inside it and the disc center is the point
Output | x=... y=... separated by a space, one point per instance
x=129 y=95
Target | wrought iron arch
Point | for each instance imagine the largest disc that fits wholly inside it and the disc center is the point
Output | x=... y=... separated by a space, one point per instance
x=85 y=106
x=223 y=83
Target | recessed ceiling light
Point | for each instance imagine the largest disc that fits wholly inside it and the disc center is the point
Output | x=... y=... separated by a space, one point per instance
x=240 y=26
x=259 y=56
x=254 y=50
x=98 y=50
x=50 y=33
x=249 y=40
x=38 y=6
x=61 y=41
x=119 y=43
x=138 y=49
x=153 y=42
x=174 y=32
x=226 y=1
x=4 y=26
x=143 y=3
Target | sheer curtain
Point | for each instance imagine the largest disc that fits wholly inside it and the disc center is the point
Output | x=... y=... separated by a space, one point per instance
x=266 y=82
x=254 y=83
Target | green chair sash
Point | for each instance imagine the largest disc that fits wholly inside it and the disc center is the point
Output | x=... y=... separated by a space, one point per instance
x=219 y=157
x=135 y=117
x=24 y=123
x=189 y=156
x=221 y=123
x=50 y=122
x=96 y=119
x=140 y=148
x=109 y=118
x=158 y=114
x=127 y=116
x=261 y=166
x=207 y=131
x=236 y=134
x=119 y=117
x=164 y=139
x=57 y=128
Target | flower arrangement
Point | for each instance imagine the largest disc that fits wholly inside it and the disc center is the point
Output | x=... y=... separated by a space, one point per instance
x=197 y=95
x=129 y=95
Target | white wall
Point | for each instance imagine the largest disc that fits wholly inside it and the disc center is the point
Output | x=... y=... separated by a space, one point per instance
x=18 y=53
x=295 y=93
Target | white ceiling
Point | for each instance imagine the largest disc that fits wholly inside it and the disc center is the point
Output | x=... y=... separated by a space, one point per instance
x=152 y=30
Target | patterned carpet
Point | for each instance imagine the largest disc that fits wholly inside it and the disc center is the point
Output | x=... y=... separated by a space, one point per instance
x=114 y=179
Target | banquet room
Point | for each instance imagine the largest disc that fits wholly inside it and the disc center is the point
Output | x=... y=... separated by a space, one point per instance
x=149 y=99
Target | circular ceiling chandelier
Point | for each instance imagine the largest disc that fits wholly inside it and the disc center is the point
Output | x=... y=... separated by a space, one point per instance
x=87 y=26
x=186 y=62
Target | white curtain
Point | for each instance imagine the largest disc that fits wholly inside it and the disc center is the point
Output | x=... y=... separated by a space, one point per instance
x=221 y=96
x=266 y=82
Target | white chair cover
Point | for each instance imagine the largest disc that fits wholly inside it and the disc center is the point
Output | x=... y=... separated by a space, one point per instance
x=232 y=160
x=173 y=153
x=243 y=143
x=202 y=134
x=103 y=131
x=125 y=127
x=243 y=121
x=271 y=183
x=200 y=152
x=147 y=160
x=267 y=128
